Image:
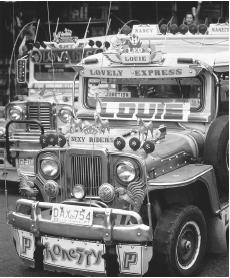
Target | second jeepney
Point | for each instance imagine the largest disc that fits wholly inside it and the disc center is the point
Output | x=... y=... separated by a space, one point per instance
x=140 y=174
x=46 y=71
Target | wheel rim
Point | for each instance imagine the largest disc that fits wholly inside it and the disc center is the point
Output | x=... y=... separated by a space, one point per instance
x=188 y=245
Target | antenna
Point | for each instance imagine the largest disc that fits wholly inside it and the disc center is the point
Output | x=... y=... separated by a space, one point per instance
x=55 y=32
x=35 y=37
x=86 y=31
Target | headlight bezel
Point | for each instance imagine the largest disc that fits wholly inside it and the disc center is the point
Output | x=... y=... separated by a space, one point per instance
x=18 y=108
x=127 y=161
x=69 y=111
x=49 y=157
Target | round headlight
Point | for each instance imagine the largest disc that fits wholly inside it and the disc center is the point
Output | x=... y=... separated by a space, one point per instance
x=126 y=171
x=79 y=191
x=65 y=114
x=15 y=113
x=50 y=168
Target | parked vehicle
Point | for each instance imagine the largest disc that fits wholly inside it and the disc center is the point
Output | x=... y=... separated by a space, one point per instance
x=141 y=174
x=48 y=70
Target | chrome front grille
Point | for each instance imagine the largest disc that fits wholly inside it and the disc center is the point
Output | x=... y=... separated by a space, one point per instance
x=87 y=170
x=41 y=112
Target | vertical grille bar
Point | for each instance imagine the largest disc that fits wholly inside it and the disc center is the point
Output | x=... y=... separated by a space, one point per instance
x=41 y=112
x=87 y=170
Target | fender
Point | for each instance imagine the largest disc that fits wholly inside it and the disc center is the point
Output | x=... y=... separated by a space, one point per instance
x=188 y=175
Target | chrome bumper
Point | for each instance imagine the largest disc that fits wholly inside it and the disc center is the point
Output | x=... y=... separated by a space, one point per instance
x=106 y=231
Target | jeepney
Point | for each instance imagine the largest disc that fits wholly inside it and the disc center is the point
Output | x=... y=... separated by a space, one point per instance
x=48 y=70
x=141 y=175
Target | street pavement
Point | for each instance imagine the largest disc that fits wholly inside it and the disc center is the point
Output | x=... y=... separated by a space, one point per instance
x=10 y=264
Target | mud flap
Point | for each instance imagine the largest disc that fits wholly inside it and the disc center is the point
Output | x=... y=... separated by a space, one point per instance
x=25 y=245
x=134 y=259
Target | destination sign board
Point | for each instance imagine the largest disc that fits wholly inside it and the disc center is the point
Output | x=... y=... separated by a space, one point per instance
x=218 y=29
x=140 y=72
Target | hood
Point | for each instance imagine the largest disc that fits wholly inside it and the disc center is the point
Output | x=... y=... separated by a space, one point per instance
x=177 y=148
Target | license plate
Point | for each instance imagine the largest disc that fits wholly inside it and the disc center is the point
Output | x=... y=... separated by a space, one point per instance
x=25 y=243
x=68 y=214
x=72 y=254
x=25 y=161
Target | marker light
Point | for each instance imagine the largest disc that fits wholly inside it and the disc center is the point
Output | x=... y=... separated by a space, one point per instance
x=79 y=191
x=98 y=44
x=163 y=29
x=91 y=43
x=185 y=61
x=134 y=143
x=119 y=143
x=91 y=61
x=148 y=146
x=173 y=29
x=193 y=29
x=43 y=140
x=203 y=28
x=107 y=44
x=183 y=29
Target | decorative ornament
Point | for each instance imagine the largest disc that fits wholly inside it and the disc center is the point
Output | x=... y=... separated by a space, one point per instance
x=119 y=143
x=134 y=143
x=203 y=28
x=43 y=140
x=52 y=139
x=148 y=146
x=173 y=29
x=61 y=140
x=100 y=124
x=193 y=29
x=183 y=29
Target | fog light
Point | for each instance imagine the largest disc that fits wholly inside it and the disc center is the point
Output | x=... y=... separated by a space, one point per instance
x=51 y=188
x=79 y=191
x=106 y=192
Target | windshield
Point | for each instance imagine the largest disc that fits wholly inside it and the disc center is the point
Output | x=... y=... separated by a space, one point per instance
x=145 y=90
x=55 y=64
x=59 y=72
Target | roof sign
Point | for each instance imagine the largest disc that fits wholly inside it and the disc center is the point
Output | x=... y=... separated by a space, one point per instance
x=144 y=30
x=140 y=72
x=218 y=29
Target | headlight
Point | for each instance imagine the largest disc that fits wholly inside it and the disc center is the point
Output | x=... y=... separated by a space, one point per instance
x=65 y=114
x=15 y=113
x=127 y=171
x=49 y=167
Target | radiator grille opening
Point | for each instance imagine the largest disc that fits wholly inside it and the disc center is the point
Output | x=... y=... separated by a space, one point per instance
x=87 y=171
x=41 y=112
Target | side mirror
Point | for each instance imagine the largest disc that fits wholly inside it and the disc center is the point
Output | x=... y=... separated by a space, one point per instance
x=21 y=70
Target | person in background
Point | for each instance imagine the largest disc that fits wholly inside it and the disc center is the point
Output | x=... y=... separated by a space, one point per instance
x=192 y=17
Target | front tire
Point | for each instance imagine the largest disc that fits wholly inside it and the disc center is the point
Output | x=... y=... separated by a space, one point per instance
x=180 y=240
